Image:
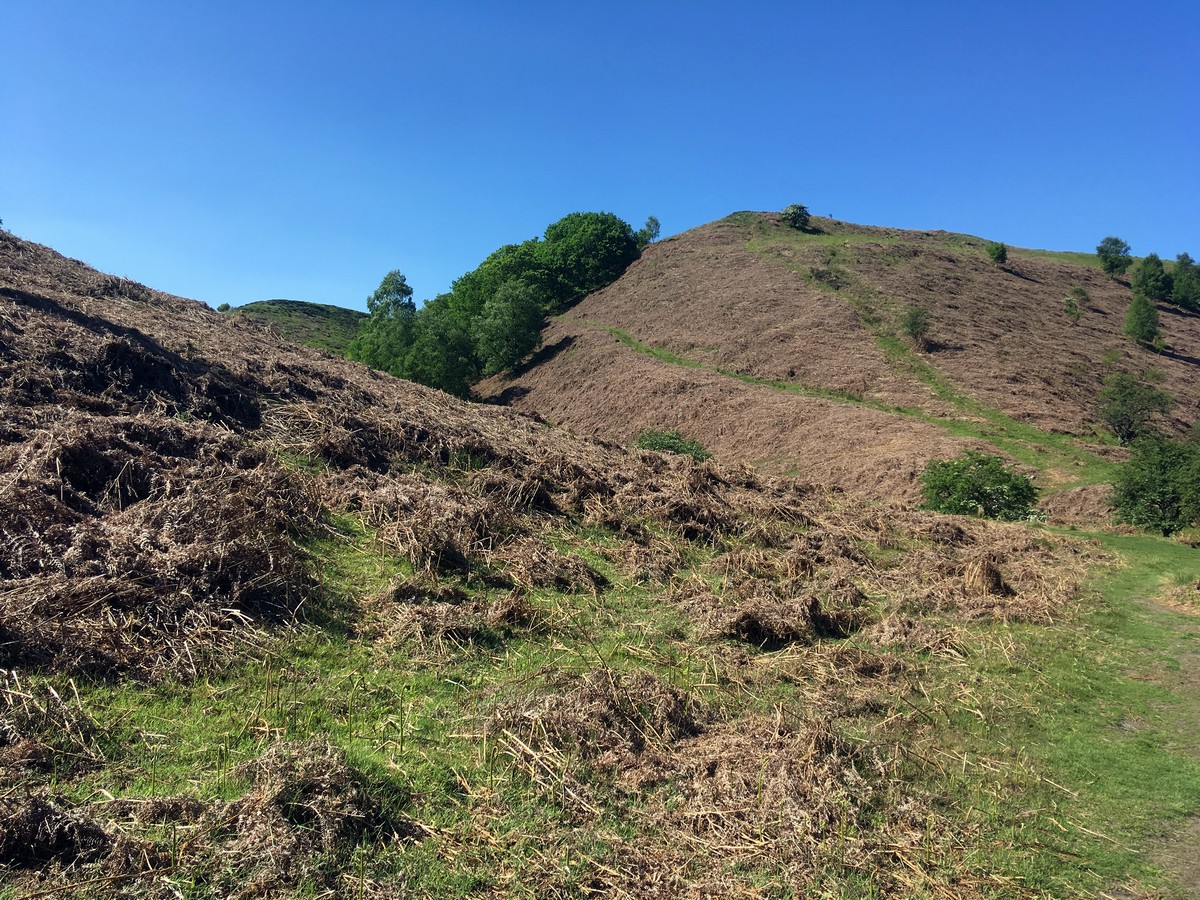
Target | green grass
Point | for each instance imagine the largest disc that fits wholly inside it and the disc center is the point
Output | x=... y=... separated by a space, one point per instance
x=1064 y=743
x=318 y=325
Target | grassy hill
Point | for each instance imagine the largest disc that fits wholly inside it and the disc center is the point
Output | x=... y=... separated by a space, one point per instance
x=785 y=349
x=317 y=325
x=272 y=624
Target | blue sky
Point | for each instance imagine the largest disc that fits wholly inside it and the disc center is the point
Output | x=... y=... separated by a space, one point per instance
x=237 y=151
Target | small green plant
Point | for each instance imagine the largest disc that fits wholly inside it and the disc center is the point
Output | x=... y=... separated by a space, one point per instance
x=978 y=484
x=916 y=324
x=796 y=216
x=998 y=253
x=1073 y=304
x=671 y=442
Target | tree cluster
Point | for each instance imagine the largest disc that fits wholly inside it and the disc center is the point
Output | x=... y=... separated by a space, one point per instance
x=492 y=317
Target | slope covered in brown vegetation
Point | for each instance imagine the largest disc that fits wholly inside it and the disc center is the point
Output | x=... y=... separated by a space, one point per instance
x=687 y=336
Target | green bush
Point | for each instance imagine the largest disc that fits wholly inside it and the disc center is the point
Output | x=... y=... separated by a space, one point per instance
x=916 y=324
x=1159 y=487
x=998 y=253
x=1141 y=322
x=671 y=442
x=224 y=307
x=1127 y=404
x=1114 y=255
x=978 y=484
x=1073 y=304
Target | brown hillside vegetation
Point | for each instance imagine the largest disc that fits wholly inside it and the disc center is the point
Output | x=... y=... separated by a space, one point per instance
x=748 y=298
x=170 y=481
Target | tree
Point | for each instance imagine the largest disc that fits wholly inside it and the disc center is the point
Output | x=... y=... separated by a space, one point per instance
x=1159 y=487
x=796 y=216
x=1185 y=283
x=442 y=354
x=1141 y=322
x=1073 y=304
x=224 y=307
x=1127 y=404
x=1151 y=279
x=998 y=253
x=509 y=328
x=1114 y=255
x=916 y=325
x=585 y=252
x=648 y=233
x=978 y=484
x=385 y=337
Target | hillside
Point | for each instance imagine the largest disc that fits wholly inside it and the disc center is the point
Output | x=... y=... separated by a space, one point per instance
x=273 y=624
x=782 y=349
x=318 y=325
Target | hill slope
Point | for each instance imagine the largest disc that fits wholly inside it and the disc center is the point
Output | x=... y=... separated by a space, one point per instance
x=272 y=624
x=318 y=325
x=780 y=348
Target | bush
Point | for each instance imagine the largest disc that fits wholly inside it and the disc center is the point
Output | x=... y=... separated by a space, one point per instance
x=671 y=442
x=1127 y=404
x=998 y=253
x=1141 y=322
x=1159 y=488
x=224 y=307
x=916 y=325
x=978 y=484
x=1073 y=304
x=1151 y=278
x=796 y=216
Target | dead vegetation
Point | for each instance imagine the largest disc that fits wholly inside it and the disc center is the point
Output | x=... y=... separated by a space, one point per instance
x=164 y=472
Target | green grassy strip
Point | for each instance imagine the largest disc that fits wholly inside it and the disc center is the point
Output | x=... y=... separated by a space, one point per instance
x=1075 y=743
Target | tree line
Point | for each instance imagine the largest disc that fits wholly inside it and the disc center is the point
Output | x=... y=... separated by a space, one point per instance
x=492 y=317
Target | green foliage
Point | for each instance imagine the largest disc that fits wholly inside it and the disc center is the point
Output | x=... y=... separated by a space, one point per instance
x=796 y=216
x=978 y=484
x=224 y=307
x=998 y=253
x=585 y=252
x=442 y=353
x=648 y=233
x=1074 y=302
x=916 y=325
x=319 y=325
x=493 y=314
x=1141 y=322
x=671 y=442
x=1127 y=404
x=1114 y=255
x=1185 y=283
x=1159 y=487
x=509 y=327
x=386 y=336
x=1151 y=279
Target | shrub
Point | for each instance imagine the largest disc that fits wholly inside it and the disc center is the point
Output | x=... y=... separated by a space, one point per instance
x=916 y=325
x=998 y=253
x=1159 y=487
x=1127 y=403
x=1074 y=302
x=671 y=442
x=224 y=307
x=1141 y=322
x=796 y=216
x=978 y=484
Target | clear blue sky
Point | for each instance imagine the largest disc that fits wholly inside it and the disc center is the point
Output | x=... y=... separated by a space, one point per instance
x=237 y=151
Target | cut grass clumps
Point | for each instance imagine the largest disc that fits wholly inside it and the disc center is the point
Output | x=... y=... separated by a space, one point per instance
x=671 y=442
x=978 y=484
